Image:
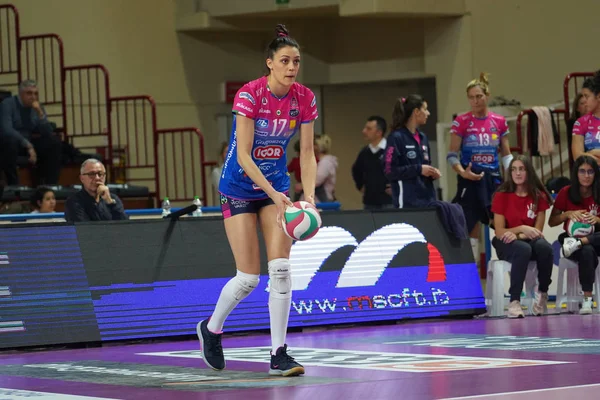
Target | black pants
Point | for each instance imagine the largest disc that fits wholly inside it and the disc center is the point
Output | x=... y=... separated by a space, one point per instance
x=47 y=168
x=519 y=253
x=587 y=259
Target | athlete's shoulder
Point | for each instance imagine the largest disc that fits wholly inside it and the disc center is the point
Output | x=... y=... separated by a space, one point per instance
x=255 y=87
x=304 y=94
x=584 y=119
x=496 y=117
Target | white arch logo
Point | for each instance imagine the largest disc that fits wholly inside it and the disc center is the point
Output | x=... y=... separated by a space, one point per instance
x=367 y=262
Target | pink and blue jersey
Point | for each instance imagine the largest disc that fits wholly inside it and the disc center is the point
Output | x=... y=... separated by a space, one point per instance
x=276 y=121
x=480 y=139
x=588 y=126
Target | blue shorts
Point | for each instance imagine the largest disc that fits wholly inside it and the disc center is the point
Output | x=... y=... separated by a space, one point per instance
x=231 y=206
x=475 y=197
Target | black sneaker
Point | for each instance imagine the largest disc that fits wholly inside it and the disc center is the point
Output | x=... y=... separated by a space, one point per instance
x=210 y=344
x=284 y=365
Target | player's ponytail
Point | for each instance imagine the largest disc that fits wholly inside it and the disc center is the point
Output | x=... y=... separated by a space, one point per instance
x=403 y=110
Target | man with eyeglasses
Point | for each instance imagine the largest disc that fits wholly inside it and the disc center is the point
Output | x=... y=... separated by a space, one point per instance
x=94 y=202
x=26 y=132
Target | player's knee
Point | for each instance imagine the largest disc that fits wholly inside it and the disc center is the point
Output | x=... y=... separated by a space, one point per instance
x=245 y=284
x=280 y=273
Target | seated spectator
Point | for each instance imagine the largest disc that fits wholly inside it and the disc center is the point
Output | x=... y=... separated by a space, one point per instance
x=367 y=170
x=43 y=200
x=216 y=172
x=580 y=202
x=519 y=207
x=26 y=131
x=407 y=161
x=326 y=170
x=93 y=202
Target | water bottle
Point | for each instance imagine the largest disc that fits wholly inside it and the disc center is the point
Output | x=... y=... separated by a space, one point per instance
x=166 y=207
x=198 y=211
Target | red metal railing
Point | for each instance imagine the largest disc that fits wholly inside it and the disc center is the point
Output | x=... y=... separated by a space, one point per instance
x=42 y=59
x=571 y=88
x=133 y=130
x=525 y=148
x=179 y=176
x=87 y=108
x=10 y=62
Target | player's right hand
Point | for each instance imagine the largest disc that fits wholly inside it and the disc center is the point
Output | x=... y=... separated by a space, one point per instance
x=281 y=202
x=470 y=175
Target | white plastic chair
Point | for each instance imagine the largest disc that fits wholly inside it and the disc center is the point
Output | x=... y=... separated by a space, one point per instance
x=495 y=297
x=574 y=295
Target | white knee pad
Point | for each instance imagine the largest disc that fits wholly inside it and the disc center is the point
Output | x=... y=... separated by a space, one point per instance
x=280 y=273
x=244 y=284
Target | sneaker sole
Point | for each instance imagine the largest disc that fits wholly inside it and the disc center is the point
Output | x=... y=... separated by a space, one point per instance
x=290 y=372
x=585 y=312
x=199 y=332
x=516 y=316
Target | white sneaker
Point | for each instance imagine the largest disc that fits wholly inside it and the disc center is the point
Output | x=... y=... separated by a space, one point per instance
x=515 y=310
x=570 y=246
x=540 y=305
x=586 y=306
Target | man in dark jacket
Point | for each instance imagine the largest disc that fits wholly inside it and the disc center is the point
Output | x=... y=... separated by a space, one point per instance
x=367 y=170
x=94 y=202
x=26 y=131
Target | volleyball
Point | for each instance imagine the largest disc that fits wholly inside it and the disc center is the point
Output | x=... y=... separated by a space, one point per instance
x=301 y=221
x=579 y=229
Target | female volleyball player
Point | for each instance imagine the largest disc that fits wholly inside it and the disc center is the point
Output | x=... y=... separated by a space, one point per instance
x=254 y=186
x=407 y=161
x=519 y=208
x=477 y=135
x=586 y=130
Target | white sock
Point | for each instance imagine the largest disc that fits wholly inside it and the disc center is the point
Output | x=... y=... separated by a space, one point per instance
x=475 y=249
x=280 y=300
x=234 y=291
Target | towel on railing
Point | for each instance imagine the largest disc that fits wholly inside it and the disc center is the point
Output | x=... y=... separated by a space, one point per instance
x=545 y=143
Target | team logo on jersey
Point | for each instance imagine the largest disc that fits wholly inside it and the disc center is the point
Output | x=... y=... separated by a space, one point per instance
x=294 y=103
x=493 y=129
x=411 y=155
x=294 y=112
x=248 y=96
x=268 y=152
x=264 y=101
x=314 y=101
x=471 y=124
x=262 y=123
x=278 y=112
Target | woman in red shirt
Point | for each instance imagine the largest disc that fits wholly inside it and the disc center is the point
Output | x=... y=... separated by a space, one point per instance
x=519 y=207
x=580 y=202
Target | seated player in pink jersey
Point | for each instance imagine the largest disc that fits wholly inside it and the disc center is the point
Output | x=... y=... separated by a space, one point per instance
x=586 y=130
x=477 y=136
x=579 y=202
x=254 y=186
x=519 y=208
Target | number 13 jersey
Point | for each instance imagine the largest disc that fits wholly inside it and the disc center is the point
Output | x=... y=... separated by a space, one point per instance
x=480 y=139
x=276 y=121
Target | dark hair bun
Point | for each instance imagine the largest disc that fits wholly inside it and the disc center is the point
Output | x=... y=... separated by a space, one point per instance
x=281 y=31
